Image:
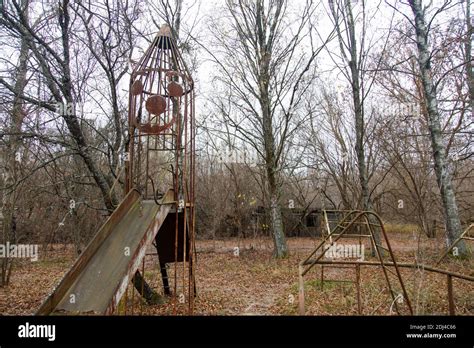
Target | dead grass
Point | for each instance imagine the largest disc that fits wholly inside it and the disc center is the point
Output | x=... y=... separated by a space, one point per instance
x=254 y=283
x=401 y=228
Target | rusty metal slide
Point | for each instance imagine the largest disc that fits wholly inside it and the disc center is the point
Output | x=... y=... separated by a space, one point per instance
x=99 y=277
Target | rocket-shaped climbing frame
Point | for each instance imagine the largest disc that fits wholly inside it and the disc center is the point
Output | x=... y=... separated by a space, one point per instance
x=159 y=186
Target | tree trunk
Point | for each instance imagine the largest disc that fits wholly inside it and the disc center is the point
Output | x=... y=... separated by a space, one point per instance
x=279 y=240
x=110 y=199
x=71 y=120
x=12 y=155
x=443 y=175
x=271 y=161
x=358 y=114
x=83 y=149
x=469 y=63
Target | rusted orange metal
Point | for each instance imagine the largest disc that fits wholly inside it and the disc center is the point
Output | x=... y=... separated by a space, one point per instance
x=161 y=151
x=349 y=220
x=159 y=178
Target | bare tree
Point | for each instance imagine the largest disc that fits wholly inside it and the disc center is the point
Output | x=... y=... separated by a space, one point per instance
x=354 y=53
x=106 y=30
x=443 y=174
x=111 y=39
x=263 y=72
x=12 y=155
x=468 y=53
x=330 y=142
x=55 y=59
x=342 y=13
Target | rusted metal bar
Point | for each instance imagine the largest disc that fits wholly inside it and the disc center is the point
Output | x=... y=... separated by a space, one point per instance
x=449 y=275
x=392 y=256
x=301 y=290
x=345 y=225
x=175 y=291
x=353 y=235
x=326 y=239
x=462 y=236
x=322 y=277
x=399 y=264
x=143 y=282
x=452 y=310
x=359 y=304
x=380 y=256
x=161 y=118
x=133 y=299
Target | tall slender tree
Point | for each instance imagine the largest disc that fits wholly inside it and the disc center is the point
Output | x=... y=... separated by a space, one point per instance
x=12 y=154
x=443 y=174
x=354 y=55
x=264 y=74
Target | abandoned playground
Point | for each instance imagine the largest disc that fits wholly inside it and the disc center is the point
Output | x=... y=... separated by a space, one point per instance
x=146 y=259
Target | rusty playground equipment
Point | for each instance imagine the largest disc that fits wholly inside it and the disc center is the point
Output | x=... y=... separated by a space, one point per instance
x=464 y=236
x=158 y=208
x=365 y=225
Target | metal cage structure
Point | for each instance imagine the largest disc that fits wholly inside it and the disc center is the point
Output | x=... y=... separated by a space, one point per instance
x=350 y=220
x=160 y=153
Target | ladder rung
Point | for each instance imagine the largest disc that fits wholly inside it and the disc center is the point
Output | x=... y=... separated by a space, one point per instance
x=339 y=280
x=338 y=265
x=152 y=149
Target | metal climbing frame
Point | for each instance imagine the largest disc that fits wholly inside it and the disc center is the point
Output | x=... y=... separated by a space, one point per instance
x=464 y=236
x=161 y=148
x=341 y=223
x=372 y=222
